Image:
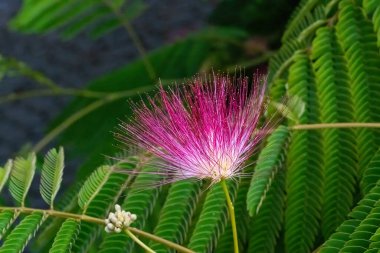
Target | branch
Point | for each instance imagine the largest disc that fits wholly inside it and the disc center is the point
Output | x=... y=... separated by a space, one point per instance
x=135 y=38
x=48 y=92
x=27 y=71
x=84 y=111
x=335 y=125
x=83 y=217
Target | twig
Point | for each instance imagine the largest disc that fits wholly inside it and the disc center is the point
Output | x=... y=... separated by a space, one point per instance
x=135 y=38
x=84 y=111
x=87 y=218
x=335 y=125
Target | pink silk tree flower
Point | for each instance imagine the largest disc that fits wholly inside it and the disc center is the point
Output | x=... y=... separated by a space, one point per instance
x=204 y=129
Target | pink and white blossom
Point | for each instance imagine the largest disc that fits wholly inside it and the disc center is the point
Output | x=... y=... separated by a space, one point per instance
x=204 y=129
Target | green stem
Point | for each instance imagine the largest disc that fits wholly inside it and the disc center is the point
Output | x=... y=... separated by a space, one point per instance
x=135 y=38
x=232 y=214
x=48 y=92
x=85 y=93
x=137 y=240
x=87 y=218
x=27 y=71
x=163 y=241
x=286 y=64
x=68 y=122
x=300 y=15
x=311 y=29
x=84 y=111
x=254 y=62
x=336 y=125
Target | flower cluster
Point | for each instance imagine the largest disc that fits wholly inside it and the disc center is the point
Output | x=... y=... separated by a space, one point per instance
x=119 y=220
x=205 y=129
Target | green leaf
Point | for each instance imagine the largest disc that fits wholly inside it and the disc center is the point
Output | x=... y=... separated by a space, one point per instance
x=270 y=161
x=355 y=34
x=340 y=156
x=65 y=237
x=51 y=175
x=92 y=185
x=133 y=80
x=82 y=22
x=305 y=160
x=371 y=174
x=7 y=217
x=266 y=225
x=134 y=9
x=68 y=202
x=292 y=109
x=277 y=90
x=72 y=16
x=4 y=173
x=297 y=23
x=98 y=195
x=355 y=234
x=21 y=177
x=176 y=214
x=212 y=220
x=280 y=62
x=225 y=242
x=372 y=8
x=374 y=246
x=140 y=200
x=19 y=237
x=308 y=16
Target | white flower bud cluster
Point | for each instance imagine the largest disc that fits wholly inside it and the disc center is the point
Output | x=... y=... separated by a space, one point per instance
x=119 y=220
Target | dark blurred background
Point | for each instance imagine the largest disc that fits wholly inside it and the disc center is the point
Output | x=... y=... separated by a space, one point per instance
x=74 y=62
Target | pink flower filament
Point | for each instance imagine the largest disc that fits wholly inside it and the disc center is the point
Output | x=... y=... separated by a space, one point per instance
x=208 y=129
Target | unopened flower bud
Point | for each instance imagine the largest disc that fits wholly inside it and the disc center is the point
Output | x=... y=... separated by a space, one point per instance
x=118 y=220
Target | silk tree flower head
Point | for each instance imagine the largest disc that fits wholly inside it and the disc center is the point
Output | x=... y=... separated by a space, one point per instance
x=204 y=129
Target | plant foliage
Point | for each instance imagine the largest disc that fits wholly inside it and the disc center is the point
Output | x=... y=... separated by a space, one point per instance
x=96 y=17
x=269 y=163
x=176 y=214
x=51 y=176
x=21 y=177
x=309 y=190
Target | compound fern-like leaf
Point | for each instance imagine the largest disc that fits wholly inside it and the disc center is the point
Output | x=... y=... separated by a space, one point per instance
x=93 y=185
x=340 y=166
x=354 y=235
x=51 y=175
x=371 y=174
x=313 y=16
x=212 y=220
x=17 y=240
x=72 y=17
x=140 y=200
x=279 y=63
x=176 y=214
x=68 y=202
x=7 y=217
x=65 y=237
x=270 y=161
x=374 y=246
x=355 y=34
x=296 y=23
x=225 y=243
x=4 y=173
x=98 y=194
x=266 y=225
x=372 y=7
x=21 y=177
x=305 y=159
